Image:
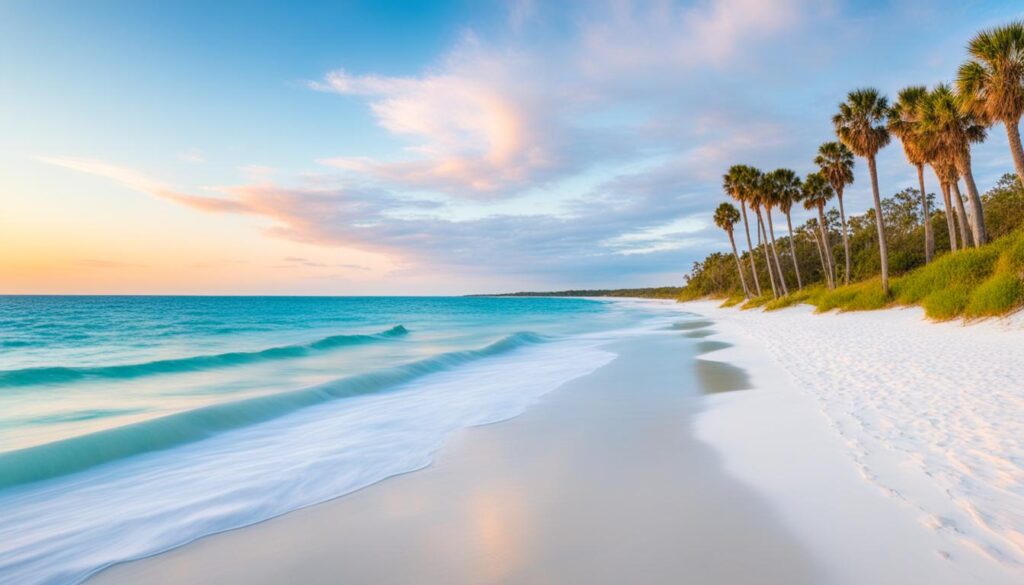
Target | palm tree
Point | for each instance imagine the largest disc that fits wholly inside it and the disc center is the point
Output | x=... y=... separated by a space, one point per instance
x=816 y=193
x=771 y=198
x=945 y=172
x=753 y=181
x=726 y=217
x=955 y=205
x=732 y=182
x=811 y=228
x=903 y=123
x=990 y=86
x=836 y=164
x=953 y=131
x=860 y=125
x=787 y=192
x=962 y=217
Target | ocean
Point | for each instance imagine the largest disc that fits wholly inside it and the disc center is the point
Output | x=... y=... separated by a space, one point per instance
x=132 y=425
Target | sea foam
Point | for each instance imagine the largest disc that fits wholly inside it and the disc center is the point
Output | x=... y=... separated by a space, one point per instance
x=298 y=449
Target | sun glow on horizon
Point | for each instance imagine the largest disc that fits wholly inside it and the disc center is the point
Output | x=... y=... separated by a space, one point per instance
x=441 y=148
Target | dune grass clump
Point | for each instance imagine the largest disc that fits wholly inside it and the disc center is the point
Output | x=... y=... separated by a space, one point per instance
x=1012 y=258
x=859 y=296
x=946 y=303
x=732 y=301
x=801 y=296
x=756 y=302
x=966 y=268
x=972 y=283
x=999 y=295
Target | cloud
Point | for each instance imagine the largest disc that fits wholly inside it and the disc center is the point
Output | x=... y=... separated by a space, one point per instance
x=493 y=120
x=625 y=236
x=294 y=262
x=638 y=38
x=138 y=181
x=478 y=126
x=99 y=263
x=192 y=155
x=621 y=117
x=258 y=172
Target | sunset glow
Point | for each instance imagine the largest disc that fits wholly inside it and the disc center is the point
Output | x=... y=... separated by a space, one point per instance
x=449 y=149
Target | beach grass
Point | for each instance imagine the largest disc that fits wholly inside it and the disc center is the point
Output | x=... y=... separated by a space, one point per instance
x=732 y=301
x=795 y=298
x=973 y=283
x=756 y=302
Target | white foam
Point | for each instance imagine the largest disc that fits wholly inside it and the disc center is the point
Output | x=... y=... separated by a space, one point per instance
x=64 y=530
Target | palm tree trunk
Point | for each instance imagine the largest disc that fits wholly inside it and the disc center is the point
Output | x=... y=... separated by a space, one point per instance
x=739 y=267
x=950 y=222
x=929 y=238
x=883 y=249
x=764 y=247
x=961 y=214
x=821 y=256
x=846 y=240
x=775 y=254
x=830 y=267
x=792 y=252
x=977 y=216
x=750 y=247
x=1013 y=133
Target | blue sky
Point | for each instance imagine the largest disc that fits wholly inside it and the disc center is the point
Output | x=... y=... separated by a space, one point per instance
x=424 y=147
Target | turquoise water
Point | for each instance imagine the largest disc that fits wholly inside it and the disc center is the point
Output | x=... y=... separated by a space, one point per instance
x=131 y=425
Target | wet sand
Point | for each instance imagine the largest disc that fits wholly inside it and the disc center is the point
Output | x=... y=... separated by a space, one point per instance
x=600 y=482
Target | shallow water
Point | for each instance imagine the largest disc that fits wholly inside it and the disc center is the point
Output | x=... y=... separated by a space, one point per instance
x=131 y=425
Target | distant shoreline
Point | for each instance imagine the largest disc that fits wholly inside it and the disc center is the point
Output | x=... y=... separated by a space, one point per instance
x=664 y=292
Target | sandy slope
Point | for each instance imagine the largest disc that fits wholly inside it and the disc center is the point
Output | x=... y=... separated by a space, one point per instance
x=932 y=414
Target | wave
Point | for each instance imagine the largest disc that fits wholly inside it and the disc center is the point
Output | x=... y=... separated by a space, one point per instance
x=83 y=452
x=53 y=375
x=15 y=343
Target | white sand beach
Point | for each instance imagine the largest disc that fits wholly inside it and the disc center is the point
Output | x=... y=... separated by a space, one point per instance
x=929 y=415
x=869 y=448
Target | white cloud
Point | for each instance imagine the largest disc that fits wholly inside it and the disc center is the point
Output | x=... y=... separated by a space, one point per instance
x=193 y=155
x=495 y=120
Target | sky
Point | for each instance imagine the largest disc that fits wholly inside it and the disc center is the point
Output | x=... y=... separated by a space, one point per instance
x=416 y=148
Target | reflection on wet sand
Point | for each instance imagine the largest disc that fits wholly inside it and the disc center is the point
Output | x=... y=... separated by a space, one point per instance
x=499 y=523
x=602 y=483
x=709 y=346
x=715 y=377
x=695 y=324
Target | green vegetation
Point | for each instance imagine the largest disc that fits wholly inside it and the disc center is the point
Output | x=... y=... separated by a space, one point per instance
x=890 y=254
x=663 y=292
x=974 y=283
x=971 y=283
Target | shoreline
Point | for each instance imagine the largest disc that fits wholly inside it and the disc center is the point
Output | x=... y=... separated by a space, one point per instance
x=539 y=485
x=595 y=483
x=924 y=415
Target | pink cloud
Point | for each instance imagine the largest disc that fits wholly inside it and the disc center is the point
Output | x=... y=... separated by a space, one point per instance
x=478 y=124
x=138 y=181
x=496 y=120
